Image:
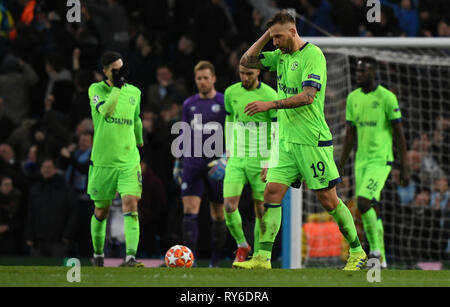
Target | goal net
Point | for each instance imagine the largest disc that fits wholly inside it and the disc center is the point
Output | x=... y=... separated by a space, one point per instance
x=417 y=217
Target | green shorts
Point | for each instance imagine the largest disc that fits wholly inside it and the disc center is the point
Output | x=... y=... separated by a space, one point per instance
x=313 y=164
x=370 y=180
x=104 y=182
x=238 y=173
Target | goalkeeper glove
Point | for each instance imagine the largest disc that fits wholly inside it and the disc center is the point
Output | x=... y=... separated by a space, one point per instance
x=178 y=172
x=217 y=171
x=119 y=76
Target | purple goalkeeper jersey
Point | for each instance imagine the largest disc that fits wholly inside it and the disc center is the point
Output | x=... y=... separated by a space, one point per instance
x=206 y=117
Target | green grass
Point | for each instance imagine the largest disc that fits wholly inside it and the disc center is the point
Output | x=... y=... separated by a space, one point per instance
x=204 y=277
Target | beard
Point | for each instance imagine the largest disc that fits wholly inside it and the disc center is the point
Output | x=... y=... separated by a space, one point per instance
x=248 y=85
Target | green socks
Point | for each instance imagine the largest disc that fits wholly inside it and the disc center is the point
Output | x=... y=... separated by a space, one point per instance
x=269 y=227
x=131 y=230
x=344 y=219
x=234 y=224
x=256 y=235
x=98 y=233
x=369 y=220
x=381 y=238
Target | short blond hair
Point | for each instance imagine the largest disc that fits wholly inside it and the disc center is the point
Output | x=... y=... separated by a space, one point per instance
x=205 y=65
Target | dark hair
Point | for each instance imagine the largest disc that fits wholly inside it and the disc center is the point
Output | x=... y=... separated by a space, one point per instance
x=281 y=17
x=110 y=57
x=369 y=60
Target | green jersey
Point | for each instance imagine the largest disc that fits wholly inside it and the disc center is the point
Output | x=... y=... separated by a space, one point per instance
x=249 y=133
x=117 y=135
x=373 y=114
x=306 y=67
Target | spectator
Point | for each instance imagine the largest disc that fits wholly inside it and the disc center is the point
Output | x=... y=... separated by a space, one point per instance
x=440 y=194
x=388 y=25
x=52 y=215
x=11 y=218
x=429 y=169
x=80 y=107
x=144 y=61
x=319 y=13
x=10 y=166
x=59 y=88
x=7 y=126
x=407 y=15
x=76 y=160
x=422 y=198
x=185 y=59
x=16 y=79
x=441 y=143
x=112 y=23
x=350 y=16
x=166 y=90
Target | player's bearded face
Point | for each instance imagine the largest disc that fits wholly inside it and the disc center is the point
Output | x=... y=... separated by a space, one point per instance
x=248 y=76
x=283 y=37
x=205 y=80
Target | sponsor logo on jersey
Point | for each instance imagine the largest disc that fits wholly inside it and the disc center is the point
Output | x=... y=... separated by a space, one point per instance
x=279 y=77
x=96 y=99
x=288 y=90
x=119 y=121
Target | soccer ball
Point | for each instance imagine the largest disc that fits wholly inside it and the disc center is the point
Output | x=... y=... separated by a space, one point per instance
x=179 y=256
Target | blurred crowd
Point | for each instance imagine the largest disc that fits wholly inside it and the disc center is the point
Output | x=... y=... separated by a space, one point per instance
x=47 y=65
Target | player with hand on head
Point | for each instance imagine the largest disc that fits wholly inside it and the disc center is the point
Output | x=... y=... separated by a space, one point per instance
x=305 y=151
x=373 y=116
x=115 y=160
x=205 y=114
x=245 y=166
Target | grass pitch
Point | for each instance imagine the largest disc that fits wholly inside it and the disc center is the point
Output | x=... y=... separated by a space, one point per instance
x=41 y=276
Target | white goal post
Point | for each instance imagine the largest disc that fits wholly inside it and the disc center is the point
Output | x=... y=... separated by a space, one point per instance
x=406 y=64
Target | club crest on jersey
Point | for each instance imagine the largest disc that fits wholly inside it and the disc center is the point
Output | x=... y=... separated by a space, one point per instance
x=215 y=108
x=132 y=101
x=294 y=65
x=375 y=104
x=96 y=99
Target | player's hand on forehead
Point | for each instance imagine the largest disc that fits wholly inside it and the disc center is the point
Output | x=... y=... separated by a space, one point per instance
x=117 y=64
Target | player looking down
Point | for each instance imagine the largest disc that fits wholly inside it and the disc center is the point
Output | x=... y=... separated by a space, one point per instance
x=306 y=151
x=246 y=168
x=373 y=117
x=115 y=161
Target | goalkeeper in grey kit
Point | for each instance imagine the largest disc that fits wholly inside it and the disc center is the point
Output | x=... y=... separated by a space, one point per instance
x=205 y=113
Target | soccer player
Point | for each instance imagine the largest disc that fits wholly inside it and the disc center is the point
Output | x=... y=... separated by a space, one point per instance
x=245 y=166
x=305 y=150
x=373 y=116
x=208 y=105
x=115 y=160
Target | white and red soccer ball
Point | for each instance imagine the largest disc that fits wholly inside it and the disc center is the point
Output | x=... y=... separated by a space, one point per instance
x=179 y=256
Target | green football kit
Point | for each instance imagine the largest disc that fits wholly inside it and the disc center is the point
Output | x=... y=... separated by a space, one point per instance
x=115 y=160
x=248 y=138
x=372 y=114
x=306 y=150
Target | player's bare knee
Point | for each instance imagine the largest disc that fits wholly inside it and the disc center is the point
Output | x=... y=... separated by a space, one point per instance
x=101 y=213
x=230 y=204
x=130 y=203
x=327 y=199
